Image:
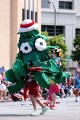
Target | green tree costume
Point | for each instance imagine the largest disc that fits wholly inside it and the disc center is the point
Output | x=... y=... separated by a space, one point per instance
x=33 y=56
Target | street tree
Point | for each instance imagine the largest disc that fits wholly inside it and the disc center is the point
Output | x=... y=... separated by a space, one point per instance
x=76 y=52
x=58 y=40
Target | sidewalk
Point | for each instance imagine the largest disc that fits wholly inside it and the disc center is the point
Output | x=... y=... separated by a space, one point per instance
x=68 y=109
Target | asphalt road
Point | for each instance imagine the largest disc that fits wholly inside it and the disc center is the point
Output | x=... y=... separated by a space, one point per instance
x=67 y=109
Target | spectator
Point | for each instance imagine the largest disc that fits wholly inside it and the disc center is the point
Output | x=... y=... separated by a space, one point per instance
x=45 y=93
x=62 y=87
x=3 y=91
x=67 y=90
x=3 y=75
x=2 y=69
x=77 y=69
x=77 y=86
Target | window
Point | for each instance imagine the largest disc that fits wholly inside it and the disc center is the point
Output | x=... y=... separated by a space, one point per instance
x=65 y=5
x=23 y=15
x=27 y=14
x=32 y=15
x=36 y=17
x=77 y=31
x=51 y=29
x=45 y=4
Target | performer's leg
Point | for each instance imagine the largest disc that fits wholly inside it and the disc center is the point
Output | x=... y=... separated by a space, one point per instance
x=34 y=96
x=54 y=98
x=44 y=107
x=25 y=94
x=33 y=100
x=51 y=101
x=40 y=102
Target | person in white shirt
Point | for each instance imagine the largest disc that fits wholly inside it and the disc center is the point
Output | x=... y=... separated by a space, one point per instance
x=3 y=90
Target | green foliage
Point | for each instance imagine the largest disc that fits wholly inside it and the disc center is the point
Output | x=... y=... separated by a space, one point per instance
x=58 y=41
x=44 y=33
x=76 y=52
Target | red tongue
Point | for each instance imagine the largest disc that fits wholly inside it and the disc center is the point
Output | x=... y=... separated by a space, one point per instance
x=37 y=69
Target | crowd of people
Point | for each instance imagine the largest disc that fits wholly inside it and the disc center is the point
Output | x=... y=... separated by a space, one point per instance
x=38 y=66
x=62 y=90
x=4 y=83
x=65 y=89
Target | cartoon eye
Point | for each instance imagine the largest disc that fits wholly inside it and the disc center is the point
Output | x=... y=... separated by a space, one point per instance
x=25 y=48
x=40 y=44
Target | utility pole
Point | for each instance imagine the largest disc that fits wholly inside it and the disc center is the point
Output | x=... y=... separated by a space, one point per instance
x=54 y=16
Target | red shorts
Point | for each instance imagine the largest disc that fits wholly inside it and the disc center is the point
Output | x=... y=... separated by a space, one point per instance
x=33 y=88
x=54 y=88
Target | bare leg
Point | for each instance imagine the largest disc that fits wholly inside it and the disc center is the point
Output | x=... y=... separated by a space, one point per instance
x=39 y=102
x=33 y=100
x=1 y=95
x=4 y=94
x=77 y=93
x=51 y=103
x=54 y=98
x=51 y=100
x=44 y=108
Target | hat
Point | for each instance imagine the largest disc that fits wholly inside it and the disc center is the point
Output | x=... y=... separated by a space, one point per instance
x=57 y=51
x=27 y=25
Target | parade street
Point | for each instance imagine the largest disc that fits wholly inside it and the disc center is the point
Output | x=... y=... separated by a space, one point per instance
x=67 y=109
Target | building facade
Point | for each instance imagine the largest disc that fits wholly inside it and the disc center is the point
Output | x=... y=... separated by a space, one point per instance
x=55 y=16
x=61 y=17
x=12 y=12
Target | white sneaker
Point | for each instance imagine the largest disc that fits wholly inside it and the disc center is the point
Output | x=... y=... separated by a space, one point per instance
x=35 y=113
x=44 y=110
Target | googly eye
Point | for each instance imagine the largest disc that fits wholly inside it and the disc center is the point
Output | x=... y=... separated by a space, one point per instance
x=25 y=48
x=40 y=44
